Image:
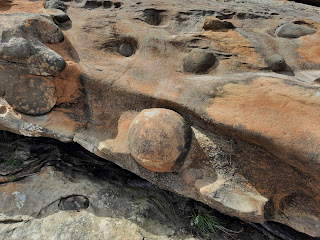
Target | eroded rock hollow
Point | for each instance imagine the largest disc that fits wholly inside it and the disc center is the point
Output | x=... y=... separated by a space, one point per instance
x=218 y=101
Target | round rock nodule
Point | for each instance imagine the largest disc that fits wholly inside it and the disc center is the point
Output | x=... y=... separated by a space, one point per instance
x=291 y=30
x=198 y=61
x=32 y=96
x=158 y=138
x=275 y=62
x=126 y=50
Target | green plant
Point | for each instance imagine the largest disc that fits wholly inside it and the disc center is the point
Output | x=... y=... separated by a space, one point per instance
x=207 y=224
x=12 y=179
x=12 y=162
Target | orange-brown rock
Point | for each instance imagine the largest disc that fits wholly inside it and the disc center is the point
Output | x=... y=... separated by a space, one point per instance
x=212 y=23
x=254 y=141
x=158 y=138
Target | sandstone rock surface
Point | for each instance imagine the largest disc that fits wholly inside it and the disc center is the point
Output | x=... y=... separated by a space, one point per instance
x=255 y=140
x=63 y=192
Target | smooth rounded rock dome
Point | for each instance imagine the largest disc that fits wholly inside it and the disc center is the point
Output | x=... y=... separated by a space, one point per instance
x=198 y=61
x=291 y=30
x=158 y=138
x=32 y=95
x=275 y=62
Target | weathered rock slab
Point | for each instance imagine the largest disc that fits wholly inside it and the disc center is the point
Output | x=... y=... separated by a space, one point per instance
x=254 y=140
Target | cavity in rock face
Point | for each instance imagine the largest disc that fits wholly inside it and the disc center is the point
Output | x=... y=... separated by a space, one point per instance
x=158 y=138
x=153 y=16
x=291 y=30
x=126 y=49
x=275 y=62
x=74 y=203
x=198 y=61
x=32 y=95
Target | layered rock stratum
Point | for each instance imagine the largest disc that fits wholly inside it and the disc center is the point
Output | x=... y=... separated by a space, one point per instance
x=214 y=100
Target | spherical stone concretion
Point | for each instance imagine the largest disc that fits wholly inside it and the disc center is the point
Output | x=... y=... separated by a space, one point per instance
x=291 y=30
x=126 y=50
x=32 y=95
x=158 y=138
x=275 y=62
x=198 y=61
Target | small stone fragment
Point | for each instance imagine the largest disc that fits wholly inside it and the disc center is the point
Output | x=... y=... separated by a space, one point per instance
x=214 y=24
x=74 y=203
x=32 y=95
x=158 y=138
x=291 y=30
x=126 y=49
x=198 y=61
x=275 y=62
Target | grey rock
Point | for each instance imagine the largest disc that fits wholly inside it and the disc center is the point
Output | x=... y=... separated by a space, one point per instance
x=41 y=28
x=58 y=15
x=275 y=62
x=291 y=30
x=126 y=49
x=23 y=43
x=47 y=61
x=56 y=4
x=16 y=48
x=198 y=61
x=32 y=95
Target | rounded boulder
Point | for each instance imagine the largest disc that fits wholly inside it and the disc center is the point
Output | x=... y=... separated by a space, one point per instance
x=198 y=61
x=158 y=138
x=275 y=62
x=291 y=30
x=32 y=95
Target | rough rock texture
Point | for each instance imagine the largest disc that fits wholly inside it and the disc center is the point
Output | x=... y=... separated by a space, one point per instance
x=215 y=24
x=58 y=191
x=32 y=95
x=158 y=139
x=255 y=141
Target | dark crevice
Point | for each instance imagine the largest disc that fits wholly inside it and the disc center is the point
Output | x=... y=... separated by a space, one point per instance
x=309 y=2
x=117 y=4
x=92 y=4
x=153 y=16
x=73 y=159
